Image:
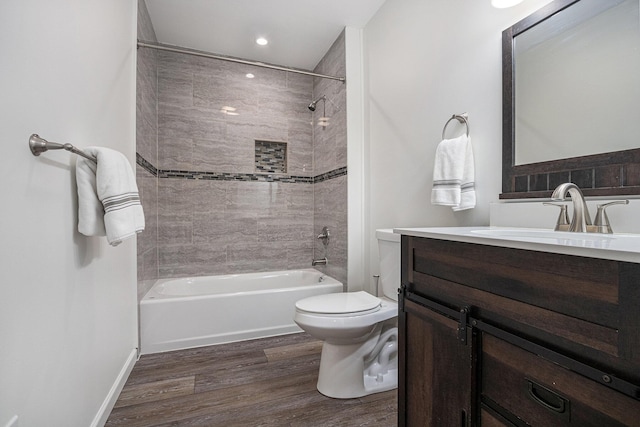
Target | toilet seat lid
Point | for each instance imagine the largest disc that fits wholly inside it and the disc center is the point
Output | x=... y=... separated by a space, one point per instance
x=339 y=303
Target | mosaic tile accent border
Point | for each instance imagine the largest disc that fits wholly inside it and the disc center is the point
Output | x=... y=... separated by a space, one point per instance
x=336 y=173
x=146 y=165
x=223 y=176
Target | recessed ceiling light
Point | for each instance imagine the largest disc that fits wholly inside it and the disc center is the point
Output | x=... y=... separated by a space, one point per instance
x=249 y=76
x=262 y=41
x=501 y=4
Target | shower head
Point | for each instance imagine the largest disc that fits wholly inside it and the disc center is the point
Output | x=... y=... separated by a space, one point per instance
x=312 y=106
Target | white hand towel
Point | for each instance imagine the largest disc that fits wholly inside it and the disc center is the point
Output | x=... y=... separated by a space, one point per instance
x=454 y=174
x=108 y=199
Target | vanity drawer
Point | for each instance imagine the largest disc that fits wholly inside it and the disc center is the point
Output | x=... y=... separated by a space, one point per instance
x=579 y=287
x=581 y=307
x=541 y=393
x=491 y=419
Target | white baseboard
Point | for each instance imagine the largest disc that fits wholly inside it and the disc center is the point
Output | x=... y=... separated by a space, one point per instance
x=109 y=402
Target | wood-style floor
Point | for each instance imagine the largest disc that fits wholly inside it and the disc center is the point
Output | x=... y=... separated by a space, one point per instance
x=265 y=382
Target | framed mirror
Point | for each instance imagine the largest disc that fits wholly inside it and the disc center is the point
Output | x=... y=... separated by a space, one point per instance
x=571 y=99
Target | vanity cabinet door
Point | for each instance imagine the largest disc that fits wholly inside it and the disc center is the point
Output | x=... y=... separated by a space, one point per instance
x=532 y=390
x=436 y=370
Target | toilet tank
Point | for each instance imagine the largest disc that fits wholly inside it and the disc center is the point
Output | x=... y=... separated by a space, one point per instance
x=389 y=253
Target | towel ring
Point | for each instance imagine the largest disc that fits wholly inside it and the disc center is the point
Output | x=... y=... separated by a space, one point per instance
x=462 y=118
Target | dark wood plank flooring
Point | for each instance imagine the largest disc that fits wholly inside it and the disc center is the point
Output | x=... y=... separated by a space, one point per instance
x=264 y=382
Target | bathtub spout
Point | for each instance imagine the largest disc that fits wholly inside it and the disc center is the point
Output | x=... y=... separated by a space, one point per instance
x=321 y=261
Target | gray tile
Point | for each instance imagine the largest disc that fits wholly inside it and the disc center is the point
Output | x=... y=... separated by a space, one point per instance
x=300 y=143
x=175 y=87
x=150 y=268
x=261 y=127
x=300 y=83
x=216 y=93
x=208 y=196
x=265 y=77
x=147 y=91
x=147 y=139
x=324 y=151
x=286 y=227
x=175 y=153
x=333 y=195
x=243 y=257
x=287 y=103
x=196 y=65
x=207 y=67
x=267 y=198
x=333 y=62
x=223 y=228
x=148 y=190
x=299 y=254
x=174 y=196
x=299 y=198
x=193 y=123
x=228 y=155
x=191 y=260
x=175 y=228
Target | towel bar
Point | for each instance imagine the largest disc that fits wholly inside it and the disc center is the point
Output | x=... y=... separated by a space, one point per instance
x=40 y=145
x=462 y=118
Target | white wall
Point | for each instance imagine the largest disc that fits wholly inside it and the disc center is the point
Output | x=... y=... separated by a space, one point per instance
x=68 y=305
x=355 y=160
x=424 y=61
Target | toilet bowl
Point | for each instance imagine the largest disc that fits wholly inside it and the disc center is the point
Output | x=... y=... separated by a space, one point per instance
x=359 y=330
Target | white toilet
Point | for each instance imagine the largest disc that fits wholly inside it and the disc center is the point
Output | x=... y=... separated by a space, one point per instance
x=360 y=333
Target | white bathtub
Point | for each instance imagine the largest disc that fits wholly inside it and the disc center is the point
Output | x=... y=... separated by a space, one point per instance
x=198 y=311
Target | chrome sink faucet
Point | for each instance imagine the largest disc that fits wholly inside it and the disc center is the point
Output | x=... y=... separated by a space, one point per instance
x=581 y=218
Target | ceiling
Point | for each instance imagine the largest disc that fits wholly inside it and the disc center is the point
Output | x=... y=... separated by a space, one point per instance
x=300 y=32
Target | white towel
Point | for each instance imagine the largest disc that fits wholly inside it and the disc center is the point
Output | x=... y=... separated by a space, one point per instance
x=108 y=199
x=454 y=174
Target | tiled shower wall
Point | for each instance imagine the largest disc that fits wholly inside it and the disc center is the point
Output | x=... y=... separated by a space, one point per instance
x=215 y=213
x=330 y=155
x=209 y=117
x=147 y=148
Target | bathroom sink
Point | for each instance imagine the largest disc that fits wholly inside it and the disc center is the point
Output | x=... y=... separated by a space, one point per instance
x=621 y=247
x=539 y=233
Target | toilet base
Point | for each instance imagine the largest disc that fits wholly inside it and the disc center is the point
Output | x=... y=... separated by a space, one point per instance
x=381 y=382
x=345 y=374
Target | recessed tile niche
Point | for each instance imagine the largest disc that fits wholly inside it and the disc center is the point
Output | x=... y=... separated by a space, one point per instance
x=271 y=157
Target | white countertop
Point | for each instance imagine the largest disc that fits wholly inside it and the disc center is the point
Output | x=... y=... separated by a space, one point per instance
x=618 y=247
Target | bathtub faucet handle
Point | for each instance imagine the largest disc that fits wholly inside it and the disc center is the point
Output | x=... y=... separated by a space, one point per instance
x=324 y=235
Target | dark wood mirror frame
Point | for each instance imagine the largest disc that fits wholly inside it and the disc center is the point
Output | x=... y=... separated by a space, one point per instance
x=607 y=174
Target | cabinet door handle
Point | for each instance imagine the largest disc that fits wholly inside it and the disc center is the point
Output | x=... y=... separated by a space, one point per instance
x=547 y=398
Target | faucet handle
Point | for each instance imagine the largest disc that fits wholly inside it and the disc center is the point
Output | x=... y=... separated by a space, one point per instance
x=601 y=222
x=562 y=224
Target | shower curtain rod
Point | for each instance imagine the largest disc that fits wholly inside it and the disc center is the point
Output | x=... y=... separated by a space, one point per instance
x=178 y=49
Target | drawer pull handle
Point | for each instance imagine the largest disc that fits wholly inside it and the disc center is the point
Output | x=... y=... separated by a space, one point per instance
x=547 y=398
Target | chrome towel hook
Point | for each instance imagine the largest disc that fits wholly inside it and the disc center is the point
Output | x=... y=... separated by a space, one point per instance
x=462 y=118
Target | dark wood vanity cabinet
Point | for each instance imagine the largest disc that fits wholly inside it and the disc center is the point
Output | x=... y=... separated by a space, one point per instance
x=497 y=336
